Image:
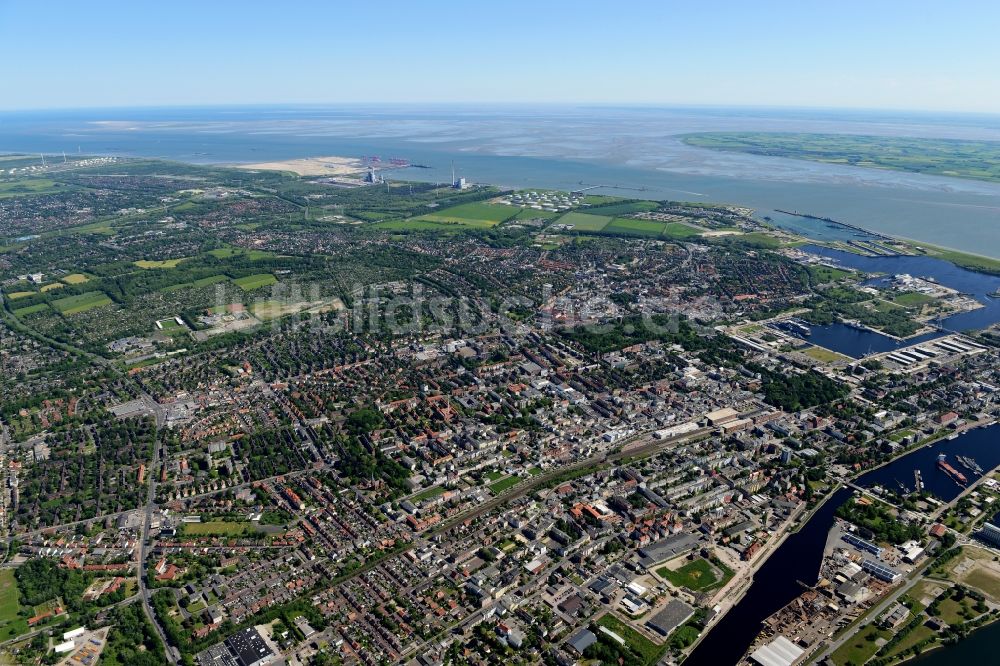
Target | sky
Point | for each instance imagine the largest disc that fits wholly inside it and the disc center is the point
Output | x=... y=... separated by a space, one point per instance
x=871 y=54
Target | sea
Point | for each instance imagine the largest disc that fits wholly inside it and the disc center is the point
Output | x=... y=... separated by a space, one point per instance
x=630 y=151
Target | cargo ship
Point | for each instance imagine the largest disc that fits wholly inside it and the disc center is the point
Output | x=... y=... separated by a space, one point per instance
x=918 y=481
x=955 y=475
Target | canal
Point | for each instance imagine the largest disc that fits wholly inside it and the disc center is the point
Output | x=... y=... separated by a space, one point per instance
x=798 y=558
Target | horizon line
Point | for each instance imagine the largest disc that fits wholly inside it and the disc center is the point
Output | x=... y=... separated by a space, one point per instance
x=506 y=104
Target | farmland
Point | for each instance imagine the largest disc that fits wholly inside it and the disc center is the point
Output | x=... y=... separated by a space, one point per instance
x=75 y=278
x=81 y=302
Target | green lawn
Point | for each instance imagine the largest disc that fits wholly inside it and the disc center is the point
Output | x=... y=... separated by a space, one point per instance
x=584 y=221
x=81 y=302
x=251 y=282
x=19 y=294
x=503 y=484
x=51 y=286
x=697 y=575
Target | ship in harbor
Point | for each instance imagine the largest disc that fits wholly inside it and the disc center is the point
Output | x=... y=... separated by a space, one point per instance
x=918 y=481
x=955 y=475
x=795 y=327
x=969 y=464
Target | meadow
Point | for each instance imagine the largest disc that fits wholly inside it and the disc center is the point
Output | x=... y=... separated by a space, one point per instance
x=585 y=221
x=251 y=282
x=81 y=302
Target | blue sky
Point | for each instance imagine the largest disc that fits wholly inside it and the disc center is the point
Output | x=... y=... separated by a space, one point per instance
x=871 y=54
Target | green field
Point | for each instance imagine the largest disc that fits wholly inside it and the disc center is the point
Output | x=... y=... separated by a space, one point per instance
x=498 y=487
x=75 y=278
x=9 y=594
x=912 y=299
x=165 y=263
x=230 y=252
x=420 y=224
x=585 y=221
x=211 y=279
x=979 y=160
x=32 y=186
x=19 y=294
x=623 y=208
x=680 y=231
x=11 y=624
x=697 y=575
x=433 y=491
x=81 y=302
x=31 y=309
x=824 y=355
x=648 y=651
x=215 y=528
x=251 y=282
x=478 y=215
x=51 y=286
x=860 y=648
x=825 y=274
x=624 y=226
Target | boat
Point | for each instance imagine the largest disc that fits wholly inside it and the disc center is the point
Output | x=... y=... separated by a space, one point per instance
x=918 y=481
x=969 y=464
x=955 y=475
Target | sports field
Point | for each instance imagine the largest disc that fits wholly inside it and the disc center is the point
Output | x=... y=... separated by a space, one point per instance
x=81 y=302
